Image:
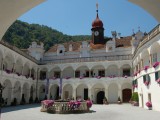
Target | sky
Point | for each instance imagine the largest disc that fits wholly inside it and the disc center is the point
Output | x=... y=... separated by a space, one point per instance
x=75 y=17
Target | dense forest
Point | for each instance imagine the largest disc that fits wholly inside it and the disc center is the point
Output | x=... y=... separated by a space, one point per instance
x=21 y=34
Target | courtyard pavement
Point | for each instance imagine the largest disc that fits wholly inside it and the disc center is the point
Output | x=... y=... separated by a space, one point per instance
x=99 y=112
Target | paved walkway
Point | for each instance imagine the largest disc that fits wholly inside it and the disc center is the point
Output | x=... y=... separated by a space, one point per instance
x=101 y=112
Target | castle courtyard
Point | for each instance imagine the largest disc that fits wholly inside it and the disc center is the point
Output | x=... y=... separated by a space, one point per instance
x=99 y=112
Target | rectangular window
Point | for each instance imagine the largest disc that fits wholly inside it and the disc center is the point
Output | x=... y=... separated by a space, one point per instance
x=101 y=73
x=126 y=72
x=77 y=74
x=42 y=75
x=156 y=75
x=154 y=57
x=87 y=74
x=149 y=97
x=57 y=74
x=144 y=78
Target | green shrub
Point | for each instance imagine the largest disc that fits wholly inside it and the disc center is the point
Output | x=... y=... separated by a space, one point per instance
x=135 y=97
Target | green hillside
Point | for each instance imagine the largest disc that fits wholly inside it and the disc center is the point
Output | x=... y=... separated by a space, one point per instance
x=21 y=34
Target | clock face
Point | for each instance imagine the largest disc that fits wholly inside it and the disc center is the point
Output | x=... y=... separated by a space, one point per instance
x=96 y=33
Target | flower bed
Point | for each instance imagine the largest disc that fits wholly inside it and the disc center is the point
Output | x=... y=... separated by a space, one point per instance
x=62 y=107
x=74 y=104
x=89 y=103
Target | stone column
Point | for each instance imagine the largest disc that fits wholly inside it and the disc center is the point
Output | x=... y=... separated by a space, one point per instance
x=90 y=93
x=30 y=72
x=22 y=70
x=13 y=68
x=106 y=93
x=2 y=64
x=74 y=74
x=150 y=59
x=120 y=93
x=119 y=72
x=12 y=94
x=74 y=93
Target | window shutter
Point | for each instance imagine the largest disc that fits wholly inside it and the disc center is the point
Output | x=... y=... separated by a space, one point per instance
x=156 y=75
x=144 y=78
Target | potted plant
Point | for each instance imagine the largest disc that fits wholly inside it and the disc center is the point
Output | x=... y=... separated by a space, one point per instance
x=119 y=100
x=105 y=101
x=134 y=99
x=149 y=105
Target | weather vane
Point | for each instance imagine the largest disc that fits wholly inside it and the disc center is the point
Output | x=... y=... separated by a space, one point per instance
x=97 y=5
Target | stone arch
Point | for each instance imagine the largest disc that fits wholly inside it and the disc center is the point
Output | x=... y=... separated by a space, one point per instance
x=8 y=63
x=42 y=92
x=26 y=69
x=25 y=93
x=112 y=70
x=113 y=93
x=126 y=92
x=54 y=92
x=68 y=91
x=82 y=91
x=82 y=71
x=7 y=92
x=33 y=73
x=98 y=70
x=68 y=72
x=43 y=73
x=125 y=70
x=18 y=66
x=55 y=72
x=96 y=88
x=17 y=91
x=32 y=93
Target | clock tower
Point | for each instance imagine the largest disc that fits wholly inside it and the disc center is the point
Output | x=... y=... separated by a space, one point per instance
x=97 y=30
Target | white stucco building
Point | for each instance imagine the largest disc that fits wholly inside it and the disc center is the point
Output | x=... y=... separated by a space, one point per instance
x=94 y=68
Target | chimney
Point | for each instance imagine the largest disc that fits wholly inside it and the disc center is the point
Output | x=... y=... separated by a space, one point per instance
x=114 y=34
x=119 y=35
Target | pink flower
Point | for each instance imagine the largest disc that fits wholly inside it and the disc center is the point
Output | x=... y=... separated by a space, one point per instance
x=125 y=76
x=81 y=77
x=148 y=104
x=158 y=81
x=47 y=103
x=135 y=74
x=146 y=68
x=98 y=77
x=74 y=104
x=89 y=103
x=67 y=77
x=146 y=82
x=155 y=64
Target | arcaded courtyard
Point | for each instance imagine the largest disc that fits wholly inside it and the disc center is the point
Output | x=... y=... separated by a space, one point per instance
x=99 y=112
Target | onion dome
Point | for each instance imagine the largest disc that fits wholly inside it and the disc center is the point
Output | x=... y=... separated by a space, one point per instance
x=97 y=22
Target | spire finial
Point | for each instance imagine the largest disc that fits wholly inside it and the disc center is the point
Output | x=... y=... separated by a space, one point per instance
x=139 y=28
x=97 y=9
x=97 y=6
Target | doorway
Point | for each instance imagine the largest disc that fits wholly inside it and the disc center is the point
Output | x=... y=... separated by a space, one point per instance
x=100 y=97
x=127 y=93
